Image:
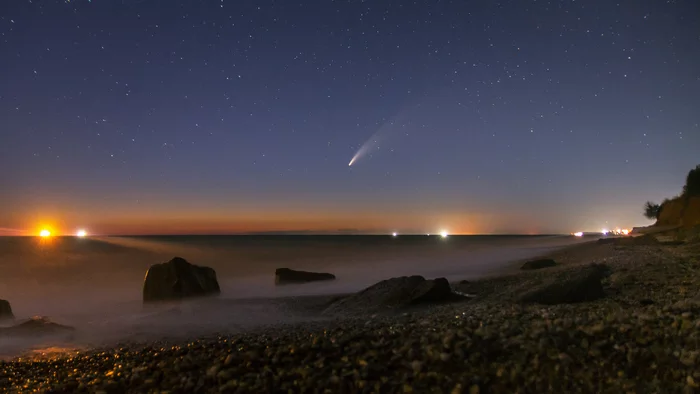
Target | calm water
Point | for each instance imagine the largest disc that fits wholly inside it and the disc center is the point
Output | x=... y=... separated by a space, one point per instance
x=95 y=283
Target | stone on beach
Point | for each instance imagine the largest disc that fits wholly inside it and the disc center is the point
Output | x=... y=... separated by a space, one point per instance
x=538 y=264
x=36 y=326
x=178 y=279
x=285 y=276
x=5 y=310
x=569 y=287
x=395 y=292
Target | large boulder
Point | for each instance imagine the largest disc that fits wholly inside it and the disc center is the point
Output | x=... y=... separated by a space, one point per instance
x=573 y=286
x=538 y=264
x=178 y=279
x=393 y=293
x=284 y=276
x=36 y=326
x=5 y=310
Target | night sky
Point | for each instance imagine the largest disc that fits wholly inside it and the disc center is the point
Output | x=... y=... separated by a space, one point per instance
x=221 y=116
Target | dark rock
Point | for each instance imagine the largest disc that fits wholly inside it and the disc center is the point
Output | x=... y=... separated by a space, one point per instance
x=538 y=264
x=36 y=326
x=578 y=285
x=178 y=279
x=646 y=302
x=5 y=310
x=285 y=276
x=436 y=290
x=606 y=241
x=464 y=282
x=396 y=292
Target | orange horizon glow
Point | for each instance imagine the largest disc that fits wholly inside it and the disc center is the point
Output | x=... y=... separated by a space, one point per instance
x=253 y=222
x=154 y=229
x=273 y=221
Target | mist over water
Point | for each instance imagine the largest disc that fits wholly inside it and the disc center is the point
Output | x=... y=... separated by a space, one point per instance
x=95 y=284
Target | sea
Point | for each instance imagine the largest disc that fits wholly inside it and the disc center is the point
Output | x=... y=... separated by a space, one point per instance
x=95 y=283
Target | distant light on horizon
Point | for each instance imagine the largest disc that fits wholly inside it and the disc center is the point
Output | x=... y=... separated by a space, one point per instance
x=394 y=234
x=444 y=233
x=604 y=231
x=617 y=231
x=578 y=234
x=81 y=233
x=44 y=233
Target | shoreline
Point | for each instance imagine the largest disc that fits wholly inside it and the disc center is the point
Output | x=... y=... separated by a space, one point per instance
x=491 y=342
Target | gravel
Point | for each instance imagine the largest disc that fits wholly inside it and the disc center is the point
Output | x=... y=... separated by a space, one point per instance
x=644 y=336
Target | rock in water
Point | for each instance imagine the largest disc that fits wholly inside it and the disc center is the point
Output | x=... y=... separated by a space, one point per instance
x=285 y=276
x=178 y=279
x=538 y=264
x=570 y=287
x=436 y=290
x=36 y=326
x=5 y=310
x=395 y=292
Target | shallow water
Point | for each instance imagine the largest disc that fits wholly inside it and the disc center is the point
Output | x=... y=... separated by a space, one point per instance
x=95 y=284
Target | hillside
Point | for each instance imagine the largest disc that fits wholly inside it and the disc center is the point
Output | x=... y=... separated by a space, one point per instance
x=680 y=211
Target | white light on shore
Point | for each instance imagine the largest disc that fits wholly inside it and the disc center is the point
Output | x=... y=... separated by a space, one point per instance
x=443 y=233
x=578 y=234
x=394 y=234
x=604 y=231
x=81 y=233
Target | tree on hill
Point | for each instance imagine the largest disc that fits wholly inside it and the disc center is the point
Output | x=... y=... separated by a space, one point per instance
x=692 y=183
x=651 y=210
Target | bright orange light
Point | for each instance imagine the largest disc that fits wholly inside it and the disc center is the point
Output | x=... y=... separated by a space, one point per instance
x=625 y=231
x=44 y=233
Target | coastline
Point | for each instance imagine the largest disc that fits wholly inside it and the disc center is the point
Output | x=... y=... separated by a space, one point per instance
x=491 y=342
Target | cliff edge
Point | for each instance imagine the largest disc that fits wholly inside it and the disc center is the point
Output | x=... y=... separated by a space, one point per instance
x=680 y=211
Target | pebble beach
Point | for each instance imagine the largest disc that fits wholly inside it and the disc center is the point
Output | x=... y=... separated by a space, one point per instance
x=642 y=336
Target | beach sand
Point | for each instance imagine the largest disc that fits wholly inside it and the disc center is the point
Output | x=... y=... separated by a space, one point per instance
x=641 y=337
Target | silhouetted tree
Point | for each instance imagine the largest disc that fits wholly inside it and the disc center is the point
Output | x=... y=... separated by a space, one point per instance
x=651 y=210
x=692 y=183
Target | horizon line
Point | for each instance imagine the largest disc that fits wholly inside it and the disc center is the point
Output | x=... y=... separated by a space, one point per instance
x=285 y=233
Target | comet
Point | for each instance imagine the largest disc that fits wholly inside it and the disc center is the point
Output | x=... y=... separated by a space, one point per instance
x=359 y=154
x=381 y=134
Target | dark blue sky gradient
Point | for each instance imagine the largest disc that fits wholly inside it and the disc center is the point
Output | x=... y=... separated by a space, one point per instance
x=161 y=116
